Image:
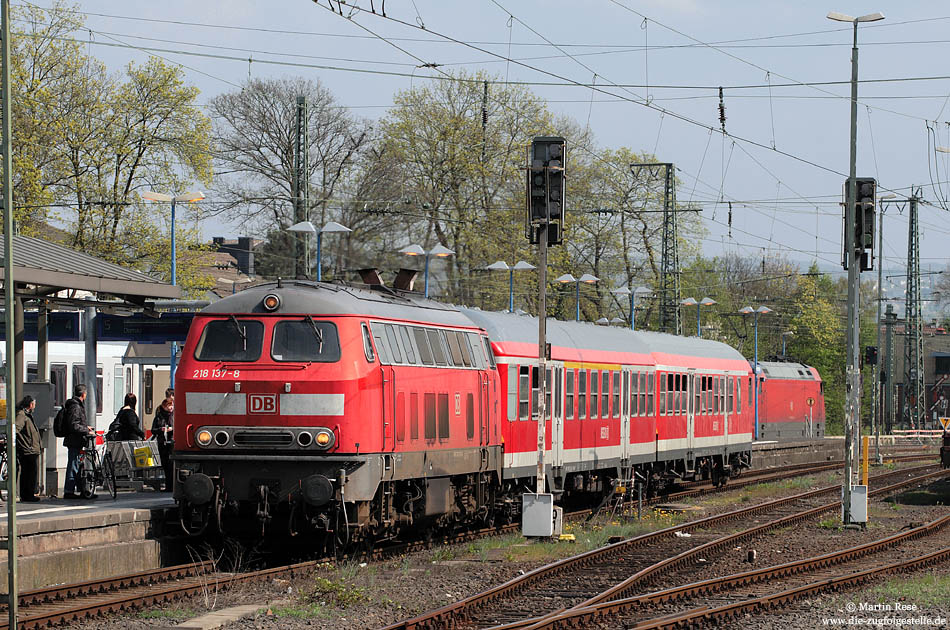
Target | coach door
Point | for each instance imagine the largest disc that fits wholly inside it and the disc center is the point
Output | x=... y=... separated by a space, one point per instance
x=625 y=448
x=691 y=389
x=556 y=411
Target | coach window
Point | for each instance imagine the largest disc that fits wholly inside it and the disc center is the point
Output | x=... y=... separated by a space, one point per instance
x=643 y=395
x=548 y=393
x=678 y=393
x=435 y=343
x=750 y=390
x=569 y=395
x=605 y=394
x=57 y=376
x=670 y=389
x=651 y=384
x=626 y=393
x=635 y=394
x=721 y=390
x=535 y=389
x=698 y=395
x=594 y=396
x=662 y=394
x=230 y=339
x=730 y=398
x=393 y=343
x=582 y=394
x=443 y=416
x=406 y=344
x=367 y=345
x=430 y=416
x=738 y=394
x=558 y=394
x=79 y=377
x=524 y=392
x=422 y=344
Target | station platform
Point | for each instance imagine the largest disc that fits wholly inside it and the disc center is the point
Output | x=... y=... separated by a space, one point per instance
x=70 y=541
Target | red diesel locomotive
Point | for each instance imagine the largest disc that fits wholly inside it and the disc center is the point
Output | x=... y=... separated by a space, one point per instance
x=362 y=411
x=791 y=402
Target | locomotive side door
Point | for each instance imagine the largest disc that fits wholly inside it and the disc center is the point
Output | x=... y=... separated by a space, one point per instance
x=388 y=406
x=483 y=407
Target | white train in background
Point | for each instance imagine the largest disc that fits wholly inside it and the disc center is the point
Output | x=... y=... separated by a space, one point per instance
x=114 y=379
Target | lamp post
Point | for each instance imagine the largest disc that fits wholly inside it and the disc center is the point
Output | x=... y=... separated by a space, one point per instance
x=852 y=254
x=567 y=279
x=706 y=301
x=331 y=227
x=188 y=197
x=786 y=334
x=308 y=228
x=501 y=265
x=439 y=251
x=762 y=310
x=633 y=300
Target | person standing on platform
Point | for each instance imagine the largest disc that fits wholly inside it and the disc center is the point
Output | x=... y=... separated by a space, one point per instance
x=75 y=440
x=28 y=449
x=126 y=425
x=162 y=430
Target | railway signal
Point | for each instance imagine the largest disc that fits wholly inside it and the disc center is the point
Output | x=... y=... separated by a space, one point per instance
x=544 y=222
x=863 y=225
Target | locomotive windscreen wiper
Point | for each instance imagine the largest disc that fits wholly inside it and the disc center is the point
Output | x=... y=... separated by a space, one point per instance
x=317 y=333
x=240 y=330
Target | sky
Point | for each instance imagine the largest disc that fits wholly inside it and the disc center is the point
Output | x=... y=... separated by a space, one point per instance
x=644 y=75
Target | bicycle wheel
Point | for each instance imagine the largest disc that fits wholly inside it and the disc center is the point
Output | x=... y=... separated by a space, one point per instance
x=3 y=469
x=108 y=476
x=87 y=477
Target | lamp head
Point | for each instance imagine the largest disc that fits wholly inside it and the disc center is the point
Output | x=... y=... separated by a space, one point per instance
x=688 y=302
x=588 y=278
x=620 y=291
x=762 y=310
x=565 y=278
x=303 y=226
x=523 y=266
x=413 y=250
x=333 y=226
x=499 y=265
x=707 y=301
x=440 y=251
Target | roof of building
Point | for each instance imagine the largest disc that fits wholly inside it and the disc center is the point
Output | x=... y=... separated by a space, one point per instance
x=44 y=264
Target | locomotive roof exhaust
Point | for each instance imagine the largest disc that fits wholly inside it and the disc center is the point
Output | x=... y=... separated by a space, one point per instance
x=371 y=276
x=405 y=279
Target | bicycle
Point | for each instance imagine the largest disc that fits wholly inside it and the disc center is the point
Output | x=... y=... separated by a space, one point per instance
x=95 y=471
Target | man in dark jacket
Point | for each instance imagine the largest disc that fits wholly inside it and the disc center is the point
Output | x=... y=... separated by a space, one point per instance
x=75 y=440
x=28 y=449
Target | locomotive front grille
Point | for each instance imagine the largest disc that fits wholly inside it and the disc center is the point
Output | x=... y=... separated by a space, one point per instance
x=263 y=438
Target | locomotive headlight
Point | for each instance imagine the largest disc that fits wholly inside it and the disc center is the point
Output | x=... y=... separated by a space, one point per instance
x=323 y=438
x=203 y=437
x=271 y=302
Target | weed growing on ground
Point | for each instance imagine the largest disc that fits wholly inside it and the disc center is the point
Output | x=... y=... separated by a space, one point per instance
x=336 y=593
x=926 y=590
x=167 y=613
x=829 y=523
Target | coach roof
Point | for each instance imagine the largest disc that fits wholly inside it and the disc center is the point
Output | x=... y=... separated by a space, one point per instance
x=321 y=298
x=506 y=327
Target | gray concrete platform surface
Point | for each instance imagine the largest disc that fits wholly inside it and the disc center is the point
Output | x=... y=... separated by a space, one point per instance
x=62 y=541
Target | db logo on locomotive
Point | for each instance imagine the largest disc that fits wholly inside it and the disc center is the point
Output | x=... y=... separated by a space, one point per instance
x=263 y=403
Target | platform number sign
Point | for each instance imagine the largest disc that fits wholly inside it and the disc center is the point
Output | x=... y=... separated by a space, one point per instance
x=263 y=403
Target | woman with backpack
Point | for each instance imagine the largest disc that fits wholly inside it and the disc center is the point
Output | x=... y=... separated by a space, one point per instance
x=126 y=425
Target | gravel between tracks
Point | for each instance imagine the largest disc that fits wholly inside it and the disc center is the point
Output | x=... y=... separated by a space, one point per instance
x=370 y=596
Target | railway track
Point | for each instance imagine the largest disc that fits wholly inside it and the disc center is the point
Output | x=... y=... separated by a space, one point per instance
x=724 y=597
x=41 y=608
x=619 y=570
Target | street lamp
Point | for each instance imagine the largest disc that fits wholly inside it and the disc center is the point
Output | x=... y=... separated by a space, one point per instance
x=762 y=310
x=787 y=333
x=853 y=405
x=633 y=300
x=330 y=227
x=567 y=279
x=188 y=197
x=439 y=251
x=501 y=265
x=706 y=301
x=308 y=228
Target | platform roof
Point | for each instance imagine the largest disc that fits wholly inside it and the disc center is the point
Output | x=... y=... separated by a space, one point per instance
x=45 y=265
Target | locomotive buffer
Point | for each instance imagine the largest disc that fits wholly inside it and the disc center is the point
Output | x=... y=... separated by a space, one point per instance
x=544 y=222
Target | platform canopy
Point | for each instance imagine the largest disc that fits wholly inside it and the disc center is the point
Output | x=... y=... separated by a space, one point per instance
x=47 y=267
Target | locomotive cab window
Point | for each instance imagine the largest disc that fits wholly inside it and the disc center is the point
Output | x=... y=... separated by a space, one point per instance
x=231 y=339
x=305 y=340
x=367 y=345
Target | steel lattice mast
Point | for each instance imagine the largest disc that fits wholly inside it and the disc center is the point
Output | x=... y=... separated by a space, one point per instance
x=913 y=399
x=669 y=289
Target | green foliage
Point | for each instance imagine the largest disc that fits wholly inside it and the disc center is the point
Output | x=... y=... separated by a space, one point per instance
x=327 y=592
x=89 y=142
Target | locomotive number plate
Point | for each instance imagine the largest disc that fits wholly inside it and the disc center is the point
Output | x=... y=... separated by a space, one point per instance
x=263 y=403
